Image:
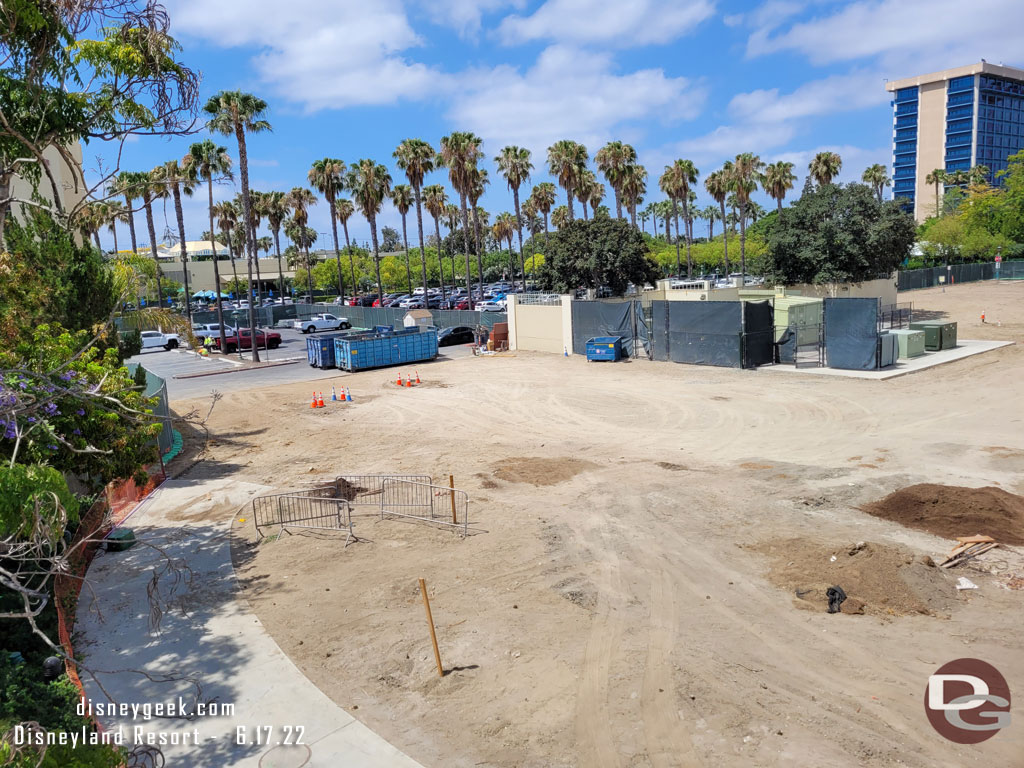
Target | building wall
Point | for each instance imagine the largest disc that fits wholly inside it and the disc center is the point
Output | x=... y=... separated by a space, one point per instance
x=931 y=144
x=536 y=328
x=884 y=289
x=69 y=182
x=200 y=273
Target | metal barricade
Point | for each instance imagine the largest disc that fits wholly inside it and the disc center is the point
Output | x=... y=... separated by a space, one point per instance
x=313 y=508
x=437 y=504
x=366 y=490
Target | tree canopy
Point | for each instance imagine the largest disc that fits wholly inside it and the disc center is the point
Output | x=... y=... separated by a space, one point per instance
x=599 y=251
x=838 y=234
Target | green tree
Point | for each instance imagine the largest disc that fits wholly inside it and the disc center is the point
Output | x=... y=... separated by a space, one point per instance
x=327 y=177
x=299 y=200
x=402 y=198
x=598 y=252
x=436 y=200
x=717 y=185
x=877 y=177
x=567 y=162
x=543 y=200
x=746 y=169
x=177 y=179
x=236 y=113
x=838 y=234
x=777 y=179
x=633 y=188
x=936 y=177
x=344 y=211
x=128 y=184
x=612 y=160
x=478 y=182
x=676 y=182
x=460 y=153
x=824 y=167
x=417 y=158
x=276 y=206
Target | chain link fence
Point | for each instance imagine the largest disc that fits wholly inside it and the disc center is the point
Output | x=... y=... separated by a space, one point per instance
x=913 y=279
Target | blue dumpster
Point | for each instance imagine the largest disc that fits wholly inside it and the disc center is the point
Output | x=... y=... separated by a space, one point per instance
x=320 y=350
x=383 y=329
x=604 y=348
x=379 y=350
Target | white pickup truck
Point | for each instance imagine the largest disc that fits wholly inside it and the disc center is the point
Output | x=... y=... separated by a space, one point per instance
x=152 y=339
x=324 y=322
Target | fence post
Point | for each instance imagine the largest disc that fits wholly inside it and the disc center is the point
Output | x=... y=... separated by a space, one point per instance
x=430 y=623
x=451 y=484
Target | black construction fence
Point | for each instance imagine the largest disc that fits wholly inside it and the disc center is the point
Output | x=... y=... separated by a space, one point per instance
x=912 y=279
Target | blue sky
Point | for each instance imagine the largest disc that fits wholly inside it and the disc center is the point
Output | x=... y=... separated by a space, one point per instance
x=701 y=79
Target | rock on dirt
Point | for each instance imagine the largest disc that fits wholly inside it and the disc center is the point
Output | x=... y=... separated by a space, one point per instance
x=950 y=511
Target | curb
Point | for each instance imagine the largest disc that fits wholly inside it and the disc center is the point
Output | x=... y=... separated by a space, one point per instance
x=235 y=370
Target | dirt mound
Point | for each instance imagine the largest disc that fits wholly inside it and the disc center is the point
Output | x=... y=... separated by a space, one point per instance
x=540 y=471
x=950 y=511
x=877 y=579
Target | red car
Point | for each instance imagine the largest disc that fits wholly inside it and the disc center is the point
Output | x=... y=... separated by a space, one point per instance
x=243 y=339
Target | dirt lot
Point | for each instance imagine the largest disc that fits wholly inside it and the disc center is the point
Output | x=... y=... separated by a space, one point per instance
x=646 y=529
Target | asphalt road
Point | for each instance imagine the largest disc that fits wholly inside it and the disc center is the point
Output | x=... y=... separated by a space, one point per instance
x=232 y=375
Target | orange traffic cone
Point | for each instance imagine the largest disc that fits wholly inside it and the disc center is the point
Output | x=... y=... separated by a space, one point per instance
x=320 y=401
x=418 y=378
x=408 y=381
x=399 y=382
x=313 y=404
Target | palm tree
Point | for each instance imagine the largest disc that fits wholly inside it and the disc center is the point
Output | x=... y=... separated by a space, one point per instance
x=206 y=161
x=560 y=217
x=504 y=228
x=710 y=214
x=129 y=184
x=543 y=197
x=478 y=181
x=436 y=200
x=717 y=185
x=402 y=199
x=824 y=167
x=276 y=207
x=514 y=164
x=370 y=183
x=299 y=201
x=417 y=158
x=326 y=177
x=227 y=218
x=644 y=216
x=567 y=161
x=116 y=214
x=256 y=214
x=234 y=112
x=460 y=153
x=676 y=182
x=958 y=178
x=633 y=188
x=585 y=183
x=151 y=191
x=979 y=174
x=778 y=178
x=531 y=217
x=451 y=218
x=745 y=173
x=344 y=210
x=877 y=177
x=596 y=196
x=936 y=177
x=176 y=178
x=612 y=160
x=264 y=244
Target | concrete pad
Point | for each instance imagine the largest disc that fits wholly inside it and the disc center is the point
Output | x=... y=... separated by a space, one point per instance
x=964 y=348
x=209 y=635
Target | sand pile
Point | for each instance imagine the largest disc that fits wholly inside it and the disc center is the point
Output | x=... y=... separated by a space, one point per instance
x=536 y=470
x=877 y=579
x=950 y=511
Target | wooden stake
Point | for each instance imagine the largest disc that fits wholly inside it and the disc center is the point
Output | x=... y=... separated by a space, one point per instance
x=430 y=623
x=451 y=484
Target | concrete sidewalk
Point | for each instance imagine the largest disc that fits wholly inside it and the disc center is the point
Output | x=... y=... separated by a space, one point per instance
x=209 y=634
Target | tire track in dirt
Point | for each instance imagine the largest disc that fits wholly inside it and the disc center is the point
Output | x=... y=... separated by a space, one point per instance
x=668 y=745
x=594 y=742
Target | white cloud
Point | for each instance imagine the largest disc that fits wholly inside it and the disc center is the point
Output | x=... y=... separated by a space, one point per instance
x=727 y=141
x=567 y=93
x=317 y=52
x=838 y=93
x=855 y=159
x=943 y=30
x=464 y=16
x=607 y=22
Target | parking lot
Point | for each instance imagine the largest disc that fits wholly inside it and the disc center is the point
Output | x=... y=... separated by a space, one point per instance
x=183 y=368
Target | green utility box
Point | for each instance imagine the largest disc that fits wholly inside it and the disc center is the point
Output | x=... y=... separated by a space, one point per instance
x=937 y=335
x=120 y=540
x=911 y=343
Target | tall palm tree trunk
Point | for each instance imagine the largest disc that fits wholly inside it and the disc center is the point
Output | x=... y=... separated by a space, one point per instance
x=725 y=237
x=152 y=250
x=234 y=270
x=568 y=195
x=337 y=254
x=423 y=251
x=675 y=213
x=465 y=241
x=618 y=203
x=479 y=253
x=96 y=238
x=113 y=231
x=408 y=265
x=779 y=201
x=689 y=238
x=216 y=270
x=376 y=258
x=131 y=223
x=176 y=191
x=309 y=268
x=280 y=266
x=584 y=204
x=351 y=261
x=243 y=164
x=743 y=244
x=519 y=229
x=440 y=259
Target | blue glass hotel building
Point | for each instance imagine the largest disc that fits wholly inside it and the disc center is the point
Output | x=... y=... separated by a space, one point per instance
x=953 y=120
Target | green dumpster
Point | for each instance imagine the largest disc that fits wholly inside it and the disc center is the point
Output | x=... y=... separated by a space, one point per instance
x=937 y=335
x=911 y=343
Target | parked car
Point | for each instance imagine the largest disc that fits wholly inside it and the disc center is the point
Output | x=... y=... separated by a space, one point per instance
x=243 y=339
x=153 y=339
x=322 y=322
x=459 y=334
x=202 y=330
x=491 y=305
x=393 y=298
x=413 y=302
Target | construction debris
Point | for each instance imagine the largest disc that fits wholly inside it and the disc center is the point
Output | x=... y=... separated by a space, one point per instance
x=968 y=548
x=963 y=583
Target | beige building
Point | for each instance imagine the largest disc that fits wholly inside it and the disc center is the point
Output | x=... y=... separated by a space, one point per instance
x=952 y=121
x=68 y=179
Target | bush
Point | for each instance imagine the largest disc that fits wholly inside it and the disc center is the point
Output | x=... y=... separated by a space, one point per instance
x=129 y=344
